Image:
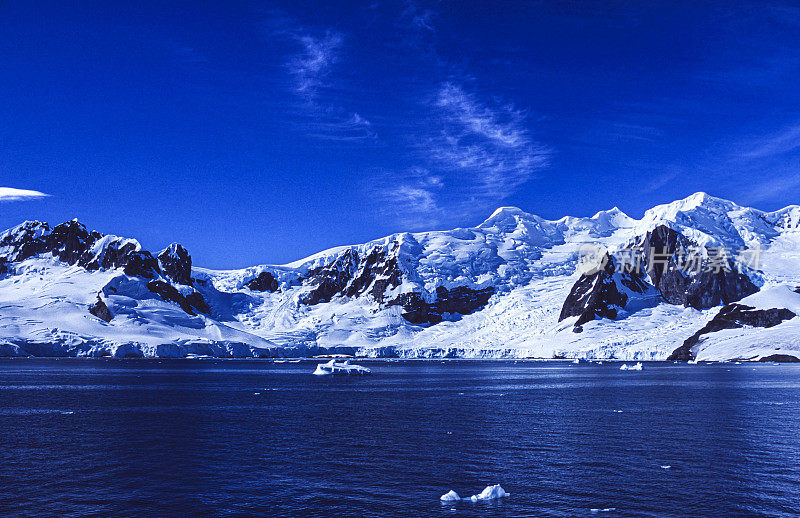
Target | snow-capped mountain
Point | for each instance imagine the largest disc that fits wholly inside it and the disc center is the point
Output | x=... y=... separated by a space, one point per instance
x=674 y=283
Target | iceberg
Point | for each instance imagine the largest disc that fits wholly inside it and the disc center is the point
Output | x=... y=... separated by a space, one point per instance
x=450 y=496
x=490 y=493
x=340 y=368
x=635 y=367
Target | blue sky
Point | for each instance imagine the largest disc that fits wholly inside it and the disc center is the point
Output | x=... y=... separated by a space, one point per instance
x=263 y=132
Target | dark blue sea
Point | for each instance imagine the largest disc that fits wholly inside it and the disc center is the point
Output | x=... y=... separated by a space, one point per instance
x=256 y=438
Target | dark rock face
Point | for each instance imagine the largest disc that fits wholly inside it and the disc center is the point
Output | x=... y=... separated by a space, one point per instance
x=73 y=244
x=26 y=241
x=596 y=295
x=169 y=293
x=780 y=358
x=176 y=263
x=379 y=271
x=196 y=300
x=264 y=281
x=100 y=310
x=459 y=300
x=700 y=287
x=350 y=275
x=332 y=279
x=732 y=316
x=141 y=264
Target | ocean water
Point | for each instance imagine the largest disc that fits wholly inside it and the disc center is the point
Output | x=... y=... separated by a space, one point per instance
x=257 y=438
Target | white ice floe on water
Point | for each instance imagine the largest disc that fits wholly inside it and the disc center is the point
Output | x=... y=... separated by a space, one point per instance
x=450 y=496
x=340 y=368
x=606 y=510
x=635 y=367
x=489 y=493
x=666 y=466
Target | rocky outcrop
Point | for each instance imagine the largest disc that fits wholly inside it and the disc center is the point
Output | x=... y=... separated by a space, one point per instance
x=141 y=264
x=460 y=300
x=600 y=294
x=376 y=274
x=73 y=244
x=190 y=303
x=331 y=280
x=351 y=276
x=264 y=281
x=100 y=310
x=732 y=316
x=780 y=358
x=176 y=263
x=196 y=300
x=687 y=279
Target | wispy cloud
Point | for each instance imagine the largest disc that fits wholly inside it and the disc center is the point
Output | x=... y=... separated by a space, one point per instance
x=488 y=146
x=410 y=198
x=771 y=188
x=773 y=145
x=312 y=69
x=471 y=154
x=12 y=194
x=311 y=66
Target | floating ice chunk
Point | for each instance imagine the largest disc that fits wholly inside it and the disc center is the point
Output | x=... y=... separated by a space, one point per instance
x=635 y=367
x=490 y=493
x=606 y=510
x=450 y=496
x=340 y=368
x=666 y=466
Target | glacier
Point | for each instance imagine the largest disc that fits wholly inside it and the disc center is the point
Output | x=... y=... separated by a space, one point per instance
x=497 y=290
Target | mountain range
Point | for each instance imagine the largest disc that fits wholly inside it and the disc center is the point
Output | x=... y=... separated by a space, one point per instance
x=700 y=278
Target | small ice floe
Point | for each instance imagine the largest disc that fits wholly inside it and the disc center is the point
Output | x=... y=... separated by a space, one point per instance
x=489 y=493
x=666 y=466
x=340 y=368
x=256 y=393
x=692 y=362
x=606 y=510
x=287 y=361
x=576 y=361
x=450 y=496
x=617 y=411
x=634 y=367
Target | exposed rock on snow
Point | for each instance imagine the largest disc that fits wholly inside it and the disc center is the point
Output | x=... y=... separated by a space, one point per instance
x=100 y=310
x=601 y=293
x=264 y=281
x=176 y=263
x=732 y=316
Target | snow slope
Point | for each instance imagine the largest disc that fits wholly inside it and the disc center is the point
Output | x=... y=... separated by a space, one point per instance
x=495 y=290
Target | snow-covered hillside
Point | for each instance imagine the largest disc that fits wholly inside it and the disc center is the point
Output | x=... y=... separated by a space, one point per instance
x=510 y=287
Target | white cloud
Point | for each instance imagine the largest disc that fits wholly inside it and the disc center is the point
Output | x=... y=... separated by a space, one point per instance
x=323 y=114
x=777 y=144
x=411 y=198
x=313 y=64
x=12 y=194
x=489 y=147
